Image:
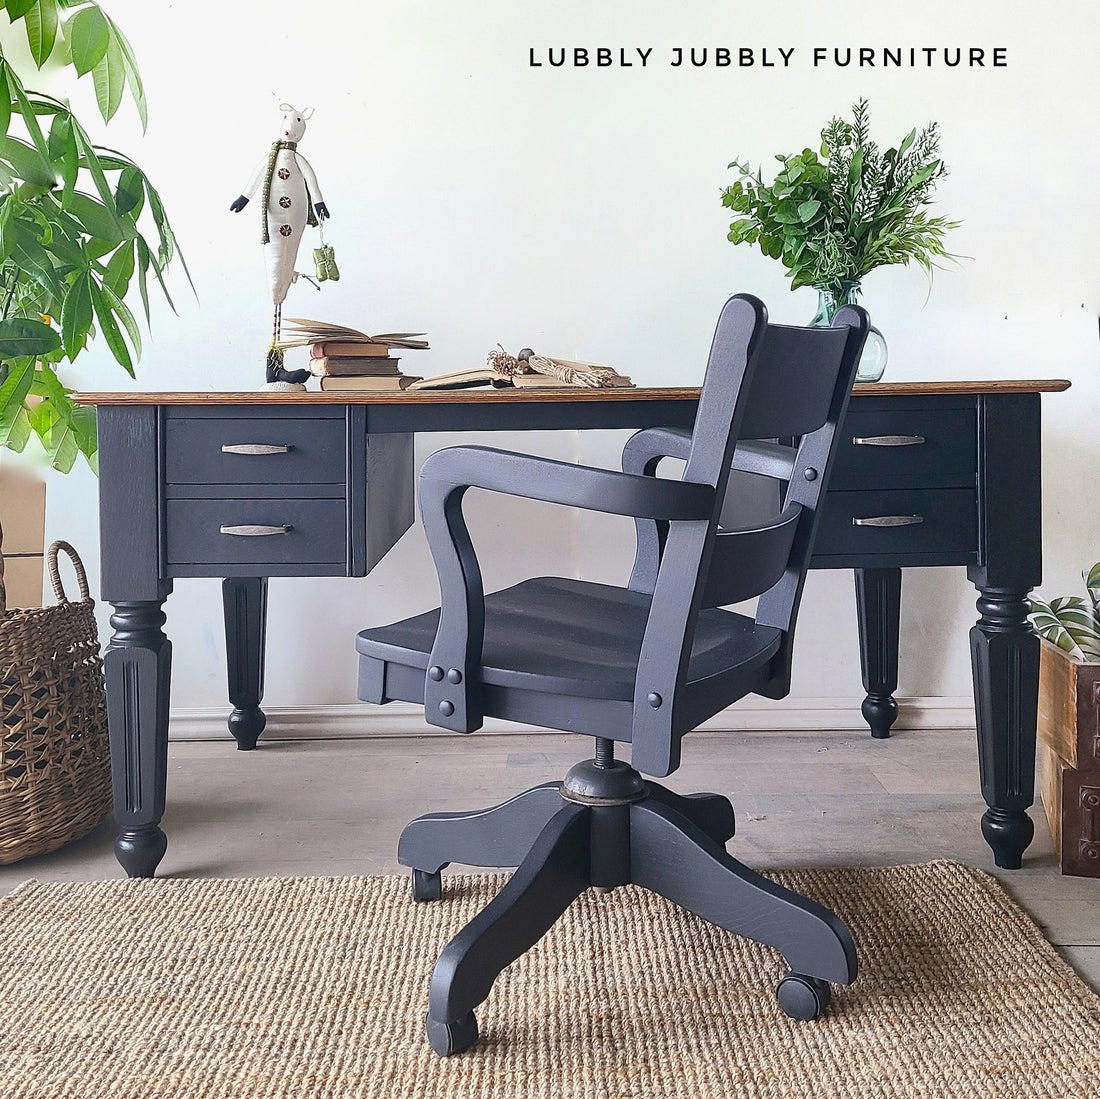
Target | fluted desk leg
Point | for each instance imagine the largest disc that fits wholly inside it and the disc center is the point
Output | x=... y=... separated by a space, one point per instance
x=1005 y=653
x=244 y=604
x=137 y=666
x=878 y=605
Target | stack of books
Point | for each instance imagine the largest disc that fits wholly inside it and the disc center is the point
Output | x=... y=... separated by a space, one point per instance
x=346 y=359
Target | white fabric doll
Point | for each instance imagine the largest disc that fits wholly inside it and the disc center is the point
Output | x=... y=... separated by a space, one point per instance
x=291 y=199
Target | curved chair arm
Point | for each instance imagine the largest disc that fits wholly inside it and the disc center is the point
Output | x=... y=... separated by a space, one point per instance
x=555 y=482
x=643 y=453
x=452 y=686
x=645 y=448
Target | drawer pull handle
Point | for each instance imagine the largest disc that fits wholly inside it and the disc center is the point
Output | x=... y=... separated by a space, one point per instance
x=888 y=521
x=255 y=530
x=887 y=440
x=256 y=448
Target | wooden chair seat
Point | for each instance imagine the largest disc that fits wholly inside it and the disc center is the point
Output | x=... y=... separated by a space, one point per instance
x=571 y=637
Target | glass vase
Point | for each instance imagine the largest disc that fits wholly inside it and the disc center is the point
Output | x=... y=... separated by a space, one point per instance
x=872 y=363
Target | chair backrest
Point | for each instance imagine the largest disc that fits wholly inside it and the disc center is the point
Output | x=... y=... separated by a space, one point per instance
x=765 y=384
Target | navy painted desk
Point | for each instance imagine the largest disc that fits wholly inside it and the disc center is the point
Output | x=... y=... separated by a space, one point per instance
x=244 y=487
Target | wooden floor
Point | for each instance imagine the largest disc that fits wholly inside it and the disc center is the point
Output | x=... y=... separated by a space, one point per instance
x=322 y=807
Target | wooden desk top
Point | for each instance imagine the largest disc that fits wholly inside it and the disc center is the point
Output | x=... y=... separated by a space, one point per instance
x=535 y=396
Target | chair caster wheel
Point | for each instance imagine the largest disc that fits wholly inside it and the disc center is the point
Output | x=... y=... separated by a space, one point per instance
x=803 y=997
x=427 y=886
x=448 y=1038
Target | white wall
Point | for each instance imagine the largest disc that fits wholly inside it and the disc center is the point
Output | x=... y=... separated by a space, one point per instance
x=578 y=211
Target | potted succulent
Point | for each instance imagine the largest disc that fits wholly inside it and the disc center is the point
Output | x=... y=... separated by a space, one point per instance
x=81 y=228
x=1069 y=723
x=834 y=214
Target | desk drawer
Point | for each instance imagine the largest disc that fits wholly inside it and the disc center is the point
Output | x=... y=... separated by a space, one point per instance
x=263 y=450
x=907 y=448
x=316 y=532
x=939 y=521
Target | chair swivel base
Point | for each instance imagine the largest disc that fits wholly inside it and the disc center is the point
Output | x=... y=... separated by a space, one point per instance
x=604 y=826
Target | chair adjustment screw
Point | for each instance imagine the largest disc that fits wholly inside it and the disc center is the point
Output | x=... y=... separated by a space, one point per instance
x=654 y=699
x=454 y=675
x=435 y=673
x=446 y=708
x=810 y=473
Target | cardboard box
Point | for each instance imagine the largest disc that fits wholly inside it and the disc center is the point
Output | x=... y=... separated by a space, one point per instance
x=23 y=583
x=22 y=511
x=23 y=518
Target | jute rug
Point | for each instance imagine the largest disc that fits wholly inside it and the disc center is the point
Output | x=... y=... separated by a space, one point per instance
x=264 y=989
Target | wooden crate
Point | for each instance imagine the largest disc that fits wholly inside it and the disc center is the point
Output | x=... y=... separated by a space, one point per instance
x=1069 y=755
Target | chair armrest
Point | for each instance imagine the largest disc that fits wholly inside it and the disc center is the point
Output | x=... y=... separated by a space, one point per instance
x=588 y=487
x=644 y=449
x=452 y=688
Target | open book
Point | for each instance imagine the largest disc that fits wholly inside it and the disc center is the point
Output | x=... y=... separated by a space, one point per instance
x=302 y=331
x=531 y=372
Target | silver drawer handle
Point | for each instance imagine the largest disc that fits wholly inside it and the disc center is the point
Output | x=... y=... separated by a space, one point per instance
x=254 y=530
x=256 y=448
x=888 y=440
x=888 y=521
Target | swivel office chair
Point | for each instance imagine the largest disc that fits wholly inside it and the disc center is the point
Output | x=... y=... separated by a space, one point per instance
x=644 y=664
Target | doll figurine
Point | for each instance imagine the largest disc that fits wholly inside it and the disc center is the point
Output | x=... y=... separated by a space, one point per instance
x=290 y=200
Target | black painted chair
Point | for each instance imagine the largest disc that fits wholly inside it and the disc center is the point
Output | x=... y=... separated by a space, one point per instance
x=644 y=664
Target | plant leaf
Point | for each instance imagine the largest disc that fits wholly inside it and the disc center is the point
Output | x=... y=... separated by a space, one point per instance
x=109 y=329
x=133 y=77
x=15 y=427
x=5 y=99
x=122 y=311
x=120 y=269
x=76 y=315
x=98 y=220
x=1076 y=617
x=21 y=336
x=26 y=109
x=63 y=152
x=34 y=261
x=1048 y=626
x=109 y=77
x=41 y=24
x=88 y=34
x=1092 y=582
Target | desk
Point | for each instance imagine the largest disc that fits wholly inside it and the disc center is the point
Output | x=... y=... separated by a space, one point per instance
x=245 y=486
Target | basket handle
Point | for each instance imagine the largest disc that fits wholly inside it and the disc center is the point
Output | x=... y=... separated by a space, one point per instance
x=3 y=593
x=55 y=575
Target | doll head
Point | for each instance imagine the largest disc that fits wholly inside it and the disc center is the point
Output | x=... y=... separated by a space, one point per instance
x=294 y=122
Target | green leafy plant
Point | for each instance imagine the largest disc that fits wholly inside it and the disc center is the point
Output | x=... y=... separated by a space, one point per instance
x=1070 y=622
x=80 y=226
x=833 y=215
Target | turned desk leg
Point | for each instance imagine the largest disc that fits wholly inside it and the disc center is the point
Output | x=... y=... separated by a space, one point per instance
x=244 y=604
x=1005 y=653
x=878 y=607
x=137 y=667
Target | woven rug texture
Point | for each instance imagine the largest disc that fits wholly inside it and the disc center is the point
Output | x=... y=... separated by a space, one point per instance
x=304 y=987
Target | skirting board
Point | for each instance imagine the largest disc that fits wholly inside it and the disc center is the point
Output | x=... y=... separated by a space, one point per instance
x=361 y=722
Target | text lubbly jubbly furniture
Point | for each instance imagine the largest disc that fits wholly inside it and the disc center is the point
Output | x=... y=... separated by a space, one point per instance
x=246 y=486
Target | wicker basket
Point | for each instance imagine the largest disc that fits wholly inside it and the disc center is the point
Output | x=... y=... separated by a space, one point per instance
x=55 y=774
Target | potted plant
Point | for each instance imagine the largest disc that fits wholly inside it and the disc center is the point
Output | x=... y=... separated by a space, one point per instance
x=1069 y=723
x=80 y=227
x=832 y=215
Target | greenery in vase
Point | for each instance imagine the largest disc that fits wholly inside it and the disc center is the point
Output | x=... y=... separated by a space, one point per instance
x=833 y=215
x=73 y=223
x=1070 y=622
